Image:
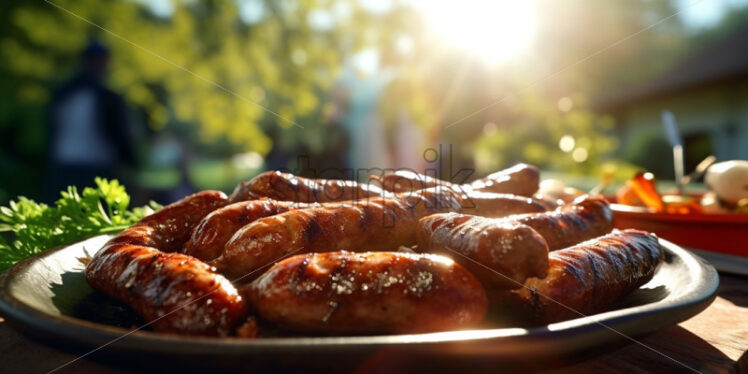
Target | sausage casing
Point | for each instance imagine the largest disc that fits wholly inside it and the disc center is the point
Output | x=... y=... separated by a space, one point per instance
x=496 y=205
x=520 y=179
x=169 y=228
x=175 y=292
x=591 y=276
x=475 y=202
x=214 y=231
x=408 y=181
x=502 y=254
x=369 y=225
x=570 y=224
x=288 y=187
x=372 y=292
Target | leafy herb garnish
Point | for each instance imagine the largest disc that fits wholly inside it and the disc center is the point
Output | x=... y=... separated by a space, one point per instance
x=32 y=227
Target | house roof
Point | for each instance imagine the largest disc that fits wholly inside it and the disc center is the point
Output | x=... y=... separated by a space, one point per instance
x=725 y=60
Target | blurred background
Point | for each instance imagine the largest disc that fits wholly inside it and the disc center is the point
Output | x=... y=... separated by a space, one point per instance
x=175 y=96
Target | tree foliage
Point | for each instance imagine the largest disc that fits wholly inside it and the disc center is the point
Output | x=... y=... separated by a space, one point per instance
x=240 y=83
x=583 y=51
x=200 y=64
x=226 y=80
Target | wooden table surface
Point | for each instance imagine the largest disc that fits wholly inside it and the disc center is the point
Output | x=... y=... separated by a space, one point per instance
x=714 y=341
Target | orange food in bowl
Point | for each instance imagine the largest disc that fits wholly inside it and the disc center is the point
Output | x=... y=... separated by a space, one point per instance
x=641 y=191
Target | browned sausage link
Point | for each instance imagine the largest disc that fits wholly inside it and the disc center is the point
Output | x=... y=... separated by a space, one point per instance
x=501 y=254
x=589 y=277
x=372 y=292
x=487 y=204
x=211 y=235
x=169 y=228
x=408 y=181
x=176 y=292
x=215 y=230
x=570 y=224
x=495 y=205
x=288 y=187
x=520 y=179
x=375 y=224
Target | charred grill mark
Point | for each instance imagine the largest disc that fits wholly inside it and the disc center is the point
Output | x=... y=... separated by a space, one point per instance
x=619 y=261
x=596 y=280
x=152 y=260
x=312 y=229
x=390 y=216
x=630 y=256
x=366 y=218
x=572 y=266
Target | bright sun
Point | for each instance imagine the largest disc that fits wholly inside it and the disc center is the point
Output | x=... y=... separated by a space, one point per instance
x=495 y=30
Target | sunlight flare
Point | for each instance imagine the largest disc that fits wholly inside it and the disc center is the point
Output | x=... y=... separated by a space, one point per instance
x=496 y=31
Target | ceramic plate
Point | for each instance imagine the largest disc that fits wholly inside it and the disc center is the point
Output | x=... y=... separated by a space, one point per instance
x=47 y=298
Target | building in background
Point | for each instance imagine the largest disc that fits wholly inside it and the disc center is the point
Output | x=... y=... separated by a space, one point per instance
x=707 y=92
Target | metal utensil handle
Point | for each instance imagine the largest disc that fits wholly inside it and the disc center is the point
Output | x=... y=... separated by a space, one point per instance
x=678 y=164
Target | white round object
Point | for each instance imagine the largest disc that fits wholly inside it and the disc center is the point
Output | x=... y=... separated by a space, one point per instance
x=729 y=180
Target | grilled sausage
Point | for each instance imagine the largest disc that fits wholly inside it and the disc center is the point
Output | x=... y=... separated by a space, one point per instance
x=475 y=202
x=502 y=254
x=591 y=276
x=520 y=179
x=211 y=235
x=374 y=224
x=495 y=205
x=570 y=224
x=288 y=187
x=407 y=181
x=168 y=228
x=175 y=292
x=372 y=292
x=215 y=230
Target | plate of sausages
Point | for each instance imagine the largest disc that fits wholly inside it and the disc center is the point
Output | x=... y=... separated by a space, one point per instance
x=414 y=270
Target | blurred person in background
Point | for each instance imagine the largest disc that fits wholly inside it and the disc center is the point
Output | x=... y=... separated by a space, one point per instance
x=89 y=133
x=368 y=144
x=336 y=155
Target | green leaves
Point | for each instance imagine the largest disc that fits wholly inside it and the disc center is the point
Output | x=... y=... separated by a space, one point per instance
x=29 y=228
x=254 y=60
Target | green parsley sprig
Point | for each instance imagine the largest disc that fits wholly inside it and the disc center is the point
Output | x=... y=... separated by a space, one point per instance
x=28 y=228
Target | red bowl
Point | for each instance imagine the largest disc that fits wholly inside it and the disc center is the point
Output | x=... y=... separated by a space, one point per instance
x=723 y=233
